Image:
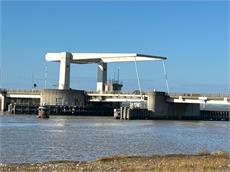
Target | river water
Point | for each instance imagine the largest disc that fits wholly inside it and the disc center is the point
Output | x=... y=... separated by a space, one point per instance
x=24 y=138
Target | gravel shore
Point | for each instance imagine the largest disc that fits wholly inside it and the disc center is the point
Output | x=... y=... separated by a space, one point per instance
x=217 y=161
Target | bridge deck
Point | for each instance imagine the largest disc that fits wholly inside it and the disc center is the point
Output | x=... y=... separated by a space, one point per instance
x=124 y=97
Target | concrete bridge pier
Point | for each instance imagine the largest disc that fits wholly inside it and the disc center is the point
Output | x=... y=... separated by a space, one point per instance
x=159 y=108
x=156 y=105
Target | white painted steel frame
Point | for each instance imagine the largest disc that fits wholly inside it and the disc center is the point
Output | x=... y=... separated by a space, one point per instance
x=66 y=59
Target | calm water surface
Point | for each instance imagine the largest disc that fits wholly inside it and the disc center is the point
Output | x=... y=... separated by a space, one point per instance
x=24 y=138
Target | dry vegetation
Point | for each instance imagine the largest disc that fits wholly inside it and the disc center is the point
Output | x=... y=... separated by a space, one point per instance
x=217 y=161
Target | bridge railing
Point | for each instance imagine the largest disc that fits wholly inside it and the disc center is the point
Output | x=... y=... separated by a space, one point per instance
x=22 y=91
x=115 y=92
x=199 y=94
x=114 y=95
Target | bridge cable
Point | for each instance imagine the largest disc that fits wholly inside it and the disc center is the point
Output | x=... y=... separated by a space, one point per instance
x=165 y=74
x=138 y=79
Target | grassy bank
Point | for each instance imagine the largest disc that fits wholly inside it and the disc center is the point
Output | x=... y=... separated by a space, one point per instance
x=218 y=161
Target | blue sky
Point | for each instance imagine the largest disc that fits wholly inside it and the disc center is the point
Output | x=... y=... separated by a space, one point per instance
x=193 y=35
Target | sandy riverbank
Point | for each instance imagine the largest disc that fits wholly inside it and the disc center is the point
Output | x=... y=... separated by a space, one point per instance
x=218 y=161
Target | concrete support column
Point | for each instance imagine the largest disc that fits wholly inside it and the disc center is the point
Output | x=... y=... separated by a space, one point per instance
x=64 y=75
x=101 y=76
x=2 y=97
x=157 y=105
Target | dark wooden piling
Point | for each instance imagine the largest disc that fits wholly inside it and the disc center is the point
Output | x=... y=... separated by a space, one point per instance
x=215 y=115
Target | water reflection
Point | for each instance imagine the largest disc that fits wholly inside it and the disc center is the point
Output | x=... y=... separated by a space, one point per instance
x=28 y=139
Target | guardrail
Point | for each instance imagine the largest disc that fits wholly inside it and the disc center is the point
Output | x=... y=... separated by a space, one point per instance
x=20 y=91
x=199 y=94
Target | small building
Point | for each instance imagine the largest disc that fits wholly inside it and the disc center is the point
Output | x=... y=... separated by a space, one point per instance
x=113 y=86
